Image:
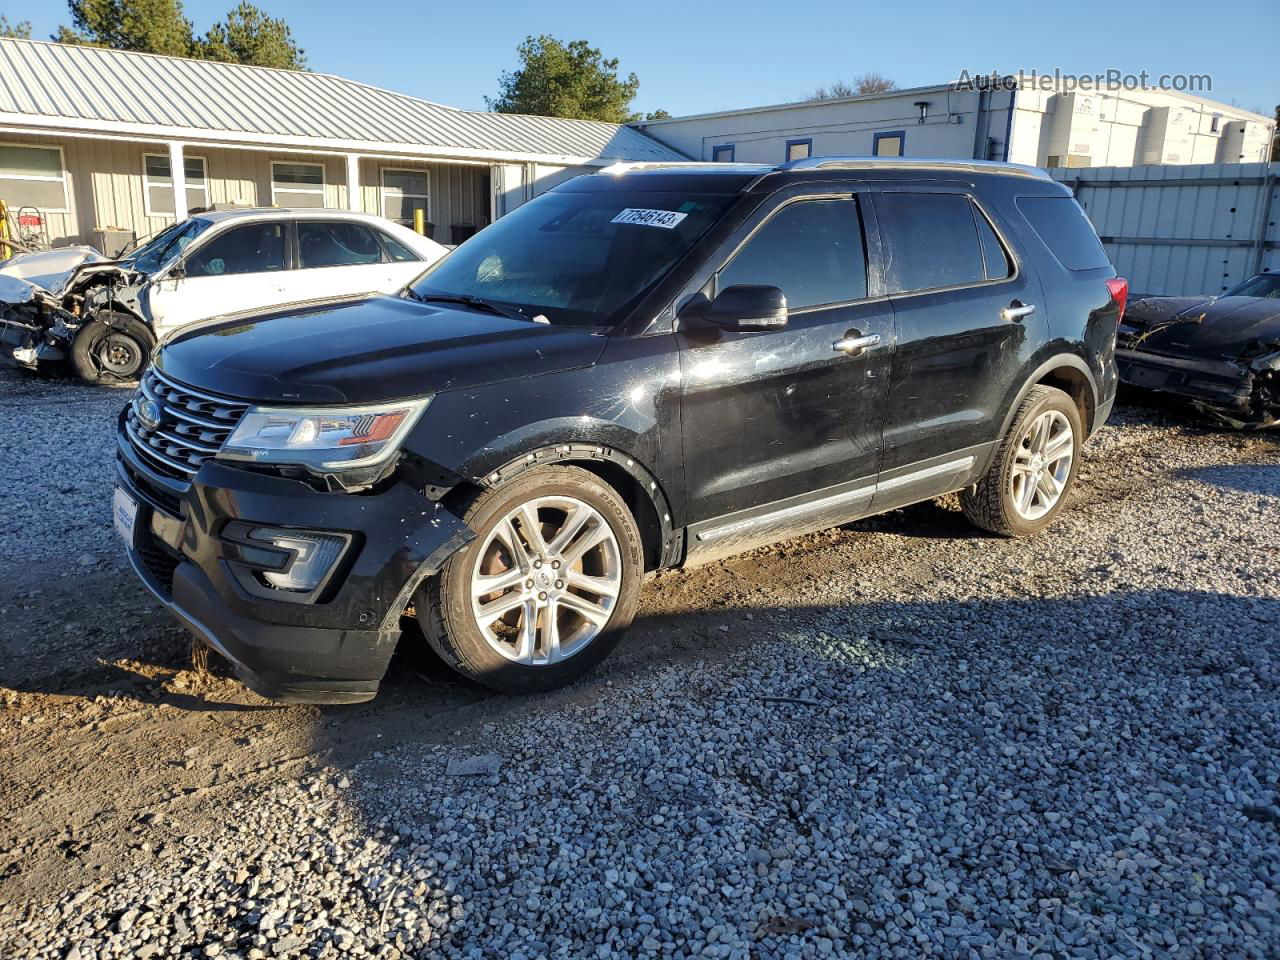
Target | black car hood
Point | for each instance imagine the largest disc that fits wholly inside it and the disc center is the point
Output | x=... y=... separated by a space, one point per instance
x=368 y=349
x=1199 y=327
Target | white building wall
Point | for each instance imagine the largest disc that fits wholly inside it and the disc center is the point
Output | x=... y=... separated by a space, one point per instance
x=846 y=126
x=1078 y=128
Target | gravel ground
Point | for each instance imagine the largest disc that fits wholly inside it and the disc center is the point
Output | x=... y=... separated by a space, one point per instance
x=898 y=739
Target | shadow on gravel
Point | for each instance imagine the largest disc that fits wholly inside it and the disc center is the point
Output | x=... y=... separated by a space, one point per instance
x=1058 y=748
x=1262 y=478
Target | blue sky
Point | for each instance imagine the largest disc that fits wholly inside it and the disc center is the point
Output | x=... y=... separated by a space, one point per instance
x=694 y=57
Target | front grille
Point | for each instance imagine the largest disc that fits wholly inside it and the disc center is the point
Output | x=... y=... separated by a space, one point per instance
x=192 y=425
x=159 y=562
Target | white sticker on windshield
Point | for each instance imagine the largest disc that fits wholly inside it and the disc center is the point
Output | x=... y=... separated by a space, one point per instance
x=666 y=219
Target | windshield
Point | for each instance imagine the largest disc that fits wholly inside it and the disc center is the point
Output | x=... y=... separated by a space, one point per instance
x=577 y=259
x=166 y=245
x=1262 y=285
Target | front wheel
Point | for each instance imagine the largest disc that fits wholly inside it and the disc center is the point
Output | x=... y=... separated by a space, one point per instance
x=112 y=348
x=545 y=590
x=1027 y=484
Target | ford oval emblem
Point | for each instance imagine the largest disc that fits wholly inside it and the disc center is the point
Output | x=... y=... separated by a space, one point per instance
x=148 y=412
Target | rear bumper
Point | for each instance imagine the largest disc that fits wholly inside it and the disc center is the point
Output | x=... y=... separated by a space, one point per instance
x=334 y=650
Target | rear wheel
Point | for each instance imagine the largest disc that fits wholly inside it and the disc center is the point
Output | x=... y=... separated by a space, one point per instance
x=1029 y=480
x=546 y=589
x=112 y=348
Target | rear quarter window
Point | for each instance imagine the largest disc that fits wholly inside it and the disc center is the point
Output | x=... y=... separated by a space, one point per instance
x=1065 y=230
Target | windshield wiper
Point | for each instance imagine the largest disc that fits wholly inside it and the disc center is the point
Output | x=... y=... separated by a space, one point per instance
x=476 y=303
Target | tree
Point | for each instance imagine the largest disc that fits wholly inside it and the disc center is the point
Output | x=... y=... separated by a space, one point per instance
x=565 y=80
x=152 y=26
x=1275 y=138
x=249 y=36
x=862 y=86
x=21 y=29
x=657 y=115
x=245 y=35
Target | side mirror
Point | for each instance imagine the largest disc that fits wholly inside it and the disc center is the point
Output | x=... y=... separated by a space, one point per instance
x=747 y=307
x=177 y=272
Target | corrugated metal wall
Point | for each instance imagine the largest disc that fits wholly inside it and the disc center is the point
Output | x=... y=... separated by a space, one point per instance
x=1183 y=230
x=105 y=188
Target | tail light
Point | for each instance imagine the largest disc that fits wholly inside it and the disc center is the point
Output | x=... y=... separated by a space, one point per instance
x=1119 y=288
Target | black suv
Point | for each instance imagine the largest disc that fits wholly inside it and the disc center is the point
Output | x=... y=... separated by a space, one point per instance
x=651 y=366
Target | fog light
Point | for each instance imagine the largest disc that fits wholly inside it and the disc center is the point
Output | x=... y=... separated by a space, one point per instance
x=313 y=556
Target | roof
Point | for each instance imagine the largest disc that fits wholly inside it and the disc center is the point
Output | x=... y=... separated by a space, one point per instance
x=121 y=92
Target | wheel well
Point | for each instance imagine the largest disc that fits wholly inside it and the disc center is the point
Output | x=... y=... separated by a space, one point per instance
x=638 y=489
x=637 y=499
x=1076 y=385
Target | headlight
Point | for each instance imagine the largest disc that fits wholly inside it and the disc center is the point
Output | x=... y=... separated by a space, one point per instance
x=330 y=440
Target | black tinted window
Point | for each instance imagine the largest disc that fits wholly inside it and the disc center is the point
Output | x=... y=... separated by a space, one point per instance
x=993 y=254
x=1065 y=230
x=335 y=243
x=398 y=251
x=933 y=241
x=811 y=250
x=252 y=248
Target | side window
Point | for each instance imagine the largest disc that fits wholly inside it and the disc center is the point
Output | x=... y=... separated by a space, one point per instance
x=336 y=243
x=252 y=248
x=994 y=255
x=1065 y=230
x=396 y=250
x=933 y=241
x=812 y=250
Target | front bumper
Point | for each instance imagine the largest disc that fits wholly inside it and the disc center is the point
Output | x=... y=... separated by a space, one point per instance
x=1216 y=383
x=30 y=348
x=334 y=650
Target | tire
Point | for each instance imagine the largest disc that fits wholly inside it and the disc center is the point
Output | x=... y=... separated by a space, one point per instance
x=112 y=348
x=1011 y=499
x=549 y=584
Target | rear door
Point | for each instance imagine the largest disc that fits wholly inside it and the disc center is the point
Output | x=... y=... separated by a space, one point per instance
x=241 y=267
x=968 y=319
x=339 y=257
x=787 y=416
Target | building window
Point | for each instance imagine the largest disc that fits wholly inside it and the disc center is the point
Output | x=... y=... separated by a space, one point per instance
x=297 y=184
x=33 y=177
x=1215 y=123
x=403 y=192
x=722 y=153
x=799 y=149
x=891 y=144
x=157 y=184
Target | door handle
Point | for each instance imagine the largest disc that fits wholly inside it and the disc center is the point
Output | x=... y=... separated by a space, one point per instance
x=1017 y=311
x=856 y=344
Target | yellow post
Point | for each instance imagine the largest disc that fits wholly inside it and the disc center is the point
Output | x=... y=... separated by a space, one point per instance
x=420 y=221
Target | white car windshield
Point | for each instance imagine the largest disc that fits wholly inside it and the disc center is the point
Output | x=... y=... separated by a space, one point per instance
x=166 y=246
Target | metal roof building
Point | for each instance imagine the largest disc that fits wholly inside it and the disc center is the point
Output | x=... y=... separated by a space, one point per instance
x=92 y=137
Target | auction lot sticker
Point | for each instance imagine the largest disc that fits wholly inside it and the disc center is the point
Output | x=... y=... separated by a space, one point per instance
x=666 y=219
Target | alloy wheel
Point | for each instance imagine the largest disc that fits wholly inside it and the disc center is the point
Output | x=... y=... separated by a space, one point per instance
x=1042 y=465
x=545 y=580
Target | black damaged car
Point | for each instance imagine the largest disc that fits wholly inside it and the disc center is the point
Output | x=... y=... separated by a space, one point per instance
x=1220 y=353
x=652 y=366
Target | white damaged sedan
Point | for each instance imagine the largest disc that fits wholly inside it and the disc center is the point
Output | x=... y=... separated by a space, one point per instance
x=106 y=316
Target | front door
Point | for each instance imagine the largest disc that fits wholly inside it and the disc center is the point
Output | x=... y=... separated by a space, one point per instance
x=778 y=421
x=240 y=268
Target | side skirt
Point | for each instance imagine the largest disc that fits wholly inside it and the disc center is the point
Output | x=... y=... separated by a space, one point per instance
x=720 y=537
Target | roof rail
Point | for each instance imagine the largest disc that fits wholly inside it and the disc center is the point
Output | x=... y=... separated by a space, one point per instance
x=923 y=163
x=626 y=166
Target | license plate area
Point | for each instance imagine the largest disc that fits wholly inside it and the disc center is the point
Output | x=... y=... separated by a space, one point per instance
x=124 y=514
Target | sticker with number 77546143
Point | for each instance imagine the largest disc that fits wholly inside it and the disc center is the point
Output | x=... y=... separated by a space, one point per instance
x=666 y=219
